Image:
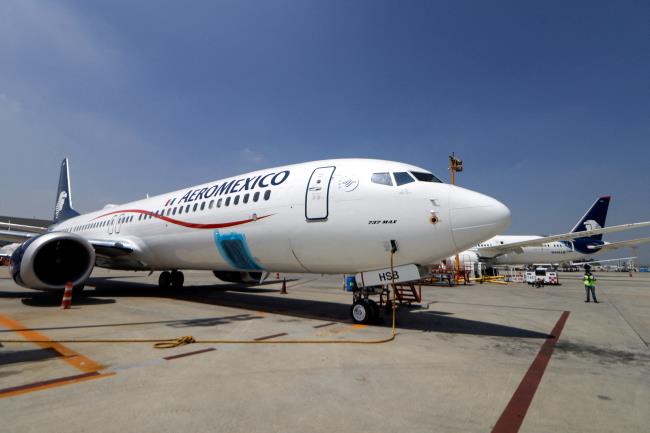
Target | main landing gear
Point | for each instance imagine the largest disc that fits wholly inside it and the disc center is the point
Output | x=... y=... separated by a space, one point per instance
x=173 y=279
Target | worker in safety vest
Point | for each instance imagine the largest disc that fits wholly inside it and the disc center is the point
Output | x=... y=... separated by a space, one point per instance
x=590 y=284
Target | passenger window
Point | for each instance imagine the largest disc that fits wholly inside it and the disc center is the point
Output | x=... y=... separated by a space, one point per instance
x=196 y=205
x=187 y=208
x=402 y=178
x=382 y=179
x=267 y=194
x=246 y=197
x=236 y=200
x=211 y=204
x=256 y=196
x=202 y=205
x=219 y=202
x=174 y=211
x=227 y=201
x=180 y=210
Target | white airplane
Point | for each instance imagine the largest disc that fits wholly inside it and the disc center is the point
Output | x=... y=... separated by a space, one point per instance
x=584 y=240
x=333 y=216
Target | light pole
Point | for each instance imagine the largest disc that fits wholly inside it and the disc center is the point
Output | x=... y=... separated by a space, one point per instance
x=455 y=165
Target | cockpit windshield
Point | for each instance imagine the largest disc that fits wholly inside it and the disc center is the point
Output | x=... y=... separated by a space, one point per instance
x=382 y=179
x=425 y=177
x=402 y=177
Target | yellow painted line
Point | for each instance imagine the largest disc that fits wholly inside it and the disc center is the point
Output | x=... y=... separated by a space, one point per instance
x=24 y=389
x=73 y=358
x=359 y=326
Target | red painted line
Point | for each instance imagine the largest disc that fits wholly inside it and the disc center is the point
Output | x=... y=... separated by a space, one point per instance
x=268 y=337
x=325 y=324
x=184 y=223
x=182 y=355
x=513 y=415
x=37 y=386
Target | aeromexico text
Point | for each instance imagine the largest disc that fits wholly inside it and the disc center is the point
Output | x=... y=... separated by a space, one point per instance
x=235 y=185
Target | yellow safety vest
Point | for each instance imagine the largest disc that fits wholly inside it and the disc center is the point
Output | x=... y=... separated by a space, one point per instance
x=589 y=280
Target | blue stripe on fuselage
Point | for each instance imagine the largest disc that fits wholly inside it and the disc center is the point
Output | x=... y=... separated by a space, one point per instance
x=234 y=250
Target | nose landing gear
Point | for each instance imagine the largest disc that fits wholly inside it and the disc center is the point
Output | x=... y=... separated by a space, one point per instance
x=364 y=311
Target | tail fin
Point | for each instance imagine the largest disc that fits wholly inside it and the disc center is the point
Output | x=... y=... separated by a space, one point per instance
x=594 y=218
x=63 y=208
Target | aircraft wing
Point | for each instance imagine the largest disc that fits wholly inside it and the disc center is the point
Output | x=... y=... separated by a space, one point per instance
x=591 y=262
x=15 y=236
x=621 y=244
x=19 y=232
x=497 y=250
x=25 y=228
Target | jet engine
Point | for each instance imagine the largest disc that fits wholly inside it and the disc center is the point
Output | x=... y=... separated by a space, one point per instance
x=240 y=277
x=49 y=261
x=467 y=257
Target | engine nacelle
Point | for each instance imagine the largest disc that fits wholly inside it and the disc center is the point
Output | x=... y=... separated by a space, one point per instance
x=464 y=258
x=49 y=261
x=240 y=277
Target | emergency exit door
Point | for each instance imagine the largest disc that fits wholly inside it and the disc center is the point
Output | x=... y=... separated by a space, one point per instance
x=318 y=191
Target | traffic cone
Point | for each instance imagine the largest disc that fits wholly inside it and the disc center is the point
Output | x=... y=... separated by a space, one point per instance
x=67 y=296
x=284 y=287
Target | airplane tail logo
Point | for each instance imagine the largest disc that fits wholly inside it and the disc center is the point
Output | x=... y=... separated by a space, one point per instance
x=594 y=218
x=591 y=225
x=59 y=204
x=63 y=207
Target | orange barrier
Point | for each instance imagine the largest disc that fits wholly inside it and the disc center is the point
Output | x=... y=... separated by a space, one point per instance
x=67 y=296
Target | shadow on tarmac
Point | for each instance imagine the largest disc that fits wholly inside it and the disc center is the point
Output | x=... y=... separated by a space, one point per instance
x=258 y=299
x=30 y=355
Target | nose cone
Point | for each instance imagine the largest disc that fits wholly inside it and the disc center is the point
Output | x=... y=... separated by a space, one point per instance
x=475 y=217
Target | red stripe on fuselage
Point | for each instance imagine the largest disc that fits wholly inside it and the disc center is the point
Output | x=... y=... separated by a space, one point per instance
x=183 y=223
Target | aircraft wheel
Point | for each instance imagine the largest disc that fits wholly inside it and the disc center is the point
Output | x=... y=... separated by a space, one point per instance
x=165 y=280
x=361 y=312
x=177 y=279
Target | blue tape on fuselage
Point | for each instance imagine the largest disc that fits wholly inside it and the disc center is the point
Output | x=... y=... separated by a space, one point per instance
x=234 y=250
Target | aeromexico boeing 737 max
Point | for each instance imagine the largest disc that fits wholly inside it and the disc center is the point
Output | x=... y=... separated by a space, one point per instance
x=334 y=216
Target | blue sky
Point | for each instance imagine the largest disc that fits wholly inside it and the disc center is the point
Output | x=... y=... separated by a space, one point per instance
x=548 y=103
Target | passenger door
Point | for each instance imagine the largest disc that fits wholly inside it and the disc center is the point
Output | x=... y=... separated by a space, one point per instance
x=317 y=194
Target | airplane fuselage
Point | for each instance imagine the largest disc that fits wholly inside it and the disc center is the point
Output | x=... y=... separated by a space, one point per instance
x=550 y=252
x=323 y=217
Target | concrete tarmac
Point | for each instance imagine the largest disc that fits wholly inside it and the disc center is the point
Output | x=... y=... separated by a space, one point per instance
x=478 y=358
